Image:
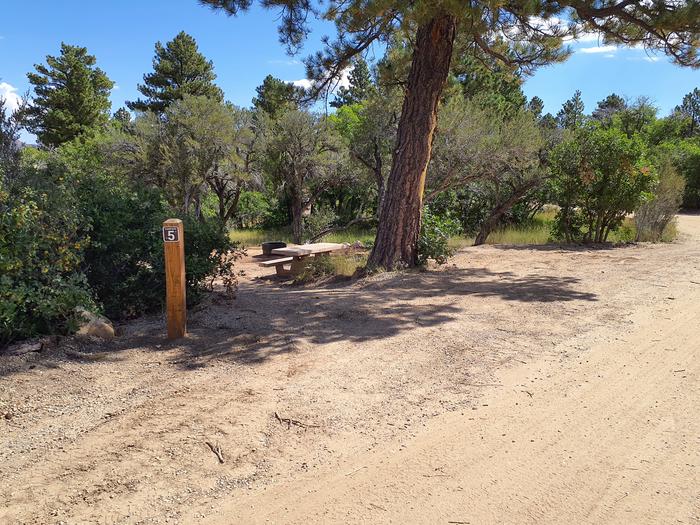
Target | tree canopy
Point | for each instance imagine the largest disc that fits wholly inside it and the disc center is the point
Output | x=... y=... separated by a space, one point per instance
x=518 y=35
x=179 y=69
x=71 y=96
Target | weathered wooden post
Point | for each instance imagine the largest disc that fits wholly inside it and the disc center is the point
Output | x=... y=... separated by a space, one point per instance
x=174 y=243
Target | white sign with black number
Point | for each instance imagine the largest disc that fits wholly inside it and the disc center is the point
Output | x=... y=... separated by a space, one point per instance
x=171 y=234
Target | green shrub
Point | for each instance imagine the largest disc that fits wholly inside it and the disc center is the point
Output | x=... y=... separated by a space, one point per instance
x=655 y=214
x=321 y=218
x=40 y=253
x=433 y=241
x=124 y=261
x=253 y=209
x=600 y=175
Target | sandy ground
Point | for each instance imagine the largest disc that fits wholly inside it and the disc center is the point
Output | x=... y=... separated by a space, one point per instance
x=515 y=385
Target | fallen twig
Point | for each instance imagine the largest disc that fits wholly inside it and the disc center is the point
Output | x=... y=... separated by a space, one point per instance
x=459 y=522
x=377 y=507
x=289 y=421
x=356 y=470
x=681 y=370
x=216 y=449
x=528 y=393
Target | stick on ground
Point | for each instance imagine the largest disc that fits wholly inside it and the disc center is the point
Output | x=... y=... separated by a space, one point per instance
x=216 y=449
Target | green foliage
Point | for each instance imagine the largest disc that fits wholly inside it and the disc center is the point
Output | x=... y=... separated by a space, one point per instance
x=10 y=125
x=600 y=175
x=41 y=246
x=657 y=211
x=179 y=69
x=689 y=109
x=198 y=143
x=301 y=154
x=535 y=106
x=685 y=156
x=360 y=85
x=75 y=233
x=274 y=96
x=71 y=97
x=319 y=220
x=253 y=209
x=435 y=233
x=571 y=115
x=608 y=108
x=494 y=87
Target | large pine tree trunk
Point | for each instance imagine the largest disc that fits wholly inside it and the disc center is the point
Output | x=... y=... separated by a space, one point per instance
x=400 y=213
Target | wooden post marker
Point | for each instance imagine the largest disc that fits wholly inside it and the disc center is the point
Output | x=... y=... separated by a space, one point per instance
x=174 y=243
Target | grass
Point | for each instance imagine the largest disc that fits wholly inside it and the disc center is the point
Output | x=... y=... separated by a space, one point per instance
x=250 y=238
x=536 y=232
x=337 y=265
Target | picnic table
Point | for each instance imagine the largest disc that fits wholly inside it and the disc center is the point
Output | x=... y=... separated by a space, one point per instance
x=295 y=256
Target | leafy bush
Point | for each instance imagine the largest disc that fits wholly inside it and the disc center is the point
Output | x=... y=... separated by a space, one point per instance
x=685 y=156
x=321 y=218
x=74 y=234
x=655 y=214
x=600 y=175
x=124 y=261
x=253 y=209
x=433 y=241
x=40 y=253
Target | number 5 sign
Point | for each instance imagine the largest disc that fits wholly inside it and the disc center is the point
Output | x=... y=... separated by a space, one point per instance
x=171 y=234
x=174 y=247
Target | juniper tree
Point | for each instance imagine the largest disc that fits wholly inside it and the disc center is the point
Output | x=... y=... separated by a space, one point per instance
x=519 y=35
x=179 y=69
x=71 y=96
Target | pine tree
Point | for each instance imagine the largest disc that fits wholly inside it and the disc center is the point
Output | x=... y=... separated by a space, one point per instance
x=536 y=106
x=275 y=96
x=360 y=85
x=607 y=108
x=690 y=109
x=522 y=36
x=122 y=116
x=71 y=96
x=571 y=115
x=178 y=69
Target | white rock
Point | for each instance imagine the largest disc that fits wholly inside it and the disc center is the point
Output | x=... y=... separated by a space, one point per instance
x=95 y=325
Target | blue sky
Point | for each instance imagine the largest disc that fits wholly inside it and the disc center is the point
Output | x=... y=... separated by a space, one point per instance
x=245 y=49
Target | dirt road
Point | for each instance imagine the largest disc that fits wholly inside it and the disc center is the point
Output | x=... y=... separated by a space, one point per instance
x=516 y=385
x=609 y=436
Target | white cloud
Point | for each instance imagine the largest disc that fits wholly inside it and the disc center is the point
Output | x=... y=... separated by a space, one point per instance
x=610 y=55
x=291 y=62
x=115 y=87
x=586 y=37
x=598 y=49
x=303 y=83
x=651 y=58
x=9 y=93
x=344 y=81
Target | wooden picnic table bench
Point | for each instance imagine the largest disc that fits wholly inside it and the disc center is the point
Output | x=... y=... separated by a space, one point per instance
x=294 y=256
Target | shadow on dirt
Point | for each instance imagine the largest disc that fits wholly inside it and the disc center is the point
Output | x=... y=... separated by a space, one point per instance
x=272 y=318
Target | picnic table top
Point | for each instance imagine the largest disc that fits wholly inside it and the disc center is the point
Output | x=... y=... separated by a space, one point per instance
x=308 y=249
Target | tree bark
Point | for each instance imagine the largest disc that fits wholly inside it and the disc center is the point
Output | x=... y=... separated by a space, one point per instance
x=400 y=213
x=297 y=218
